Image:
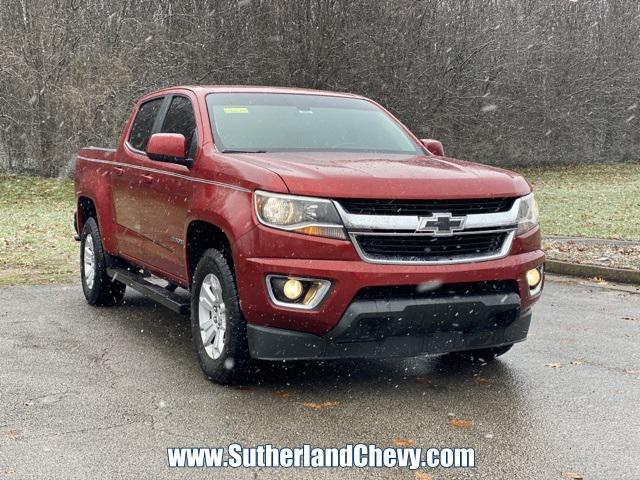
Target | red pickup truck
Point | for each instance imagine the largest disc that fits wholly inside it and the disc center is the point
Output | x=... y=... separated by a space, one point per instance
x=298 y=224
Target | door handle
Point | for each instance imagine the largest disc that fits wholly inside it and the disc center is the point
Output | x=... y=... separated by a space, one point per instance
x=146 y=178
x=118 y=171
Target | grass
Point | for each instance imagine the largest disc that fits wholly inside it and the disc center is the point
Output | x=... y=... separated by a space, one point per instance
x=37 y=246
x=601 y=201
x=36 y=235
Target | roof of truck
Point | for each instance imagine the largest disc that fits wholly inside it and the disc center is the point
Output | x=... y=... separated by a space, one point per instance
x=204 y=89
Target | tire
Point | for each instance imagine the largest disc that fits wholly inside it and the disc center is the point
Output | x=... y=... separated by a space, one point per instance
x=220 y=341
x=98 y=288
x=481 y=355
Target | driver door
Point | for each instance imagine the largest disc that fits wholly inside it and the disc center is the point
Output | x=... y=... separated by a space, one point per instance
x=167 y=193
x=127 y=187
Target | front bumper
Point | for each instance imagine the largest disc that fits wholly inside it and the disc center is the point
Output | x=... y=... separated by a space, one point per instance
x=402 y=328
x=279 y=332
x=351 y=277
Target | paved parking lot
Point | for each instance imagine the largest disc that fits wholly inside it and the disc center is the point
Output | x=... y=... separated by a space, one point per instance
x=100 y=393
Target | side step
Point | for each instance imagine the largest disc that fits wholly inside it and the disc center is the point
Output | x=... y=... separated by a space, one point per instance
x=177 y=303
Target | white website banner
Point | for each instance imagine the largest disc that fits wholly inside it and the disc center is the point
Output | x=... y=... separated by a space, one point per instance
x=308 y=456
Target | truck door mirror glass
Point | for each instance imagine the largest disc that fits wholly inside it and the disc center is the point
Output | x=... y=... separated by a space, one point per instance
x=434 y=146
x=168 y=147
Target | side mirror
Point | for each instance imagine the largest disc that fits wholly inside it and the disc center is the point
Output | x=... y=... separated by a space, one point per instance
x=434 y=146
x=168 y=147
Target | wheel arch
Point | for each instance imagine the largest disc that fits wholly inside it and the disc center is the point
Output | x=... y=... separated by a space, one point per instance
x=86 y=209
x=201 y=236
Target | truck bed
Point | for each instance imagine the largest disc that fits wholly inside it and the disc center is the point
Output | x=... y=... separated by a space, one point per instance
x=97 y=153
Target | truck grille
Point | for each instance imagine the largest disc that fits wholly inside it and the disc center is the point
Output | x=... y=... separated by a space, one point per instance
x=425 y=248
x=425 y=207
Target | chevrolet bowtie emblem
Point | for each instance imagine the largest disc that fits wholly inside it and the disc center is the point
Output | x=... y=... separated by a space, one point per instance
x=442 y=224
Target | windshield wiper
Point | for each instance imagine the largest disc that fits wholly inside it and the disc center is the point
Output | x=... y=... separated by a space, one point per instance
x=243 y=151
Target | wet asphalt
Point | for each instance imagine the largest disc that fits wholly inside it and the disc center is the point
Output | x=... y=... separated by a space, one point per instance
x=100 y=393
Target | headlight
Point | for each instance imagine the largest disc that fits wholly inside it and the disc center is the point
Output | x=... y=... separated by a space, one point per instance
x=528 y=214
x=311 y=216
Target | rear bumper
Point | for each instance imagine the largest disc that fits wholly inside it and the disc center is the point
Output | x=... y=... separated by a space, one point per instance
x=408 y=329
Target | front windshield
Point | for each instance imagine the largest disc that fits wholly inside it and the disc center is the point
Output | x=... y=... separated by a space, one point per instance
x=276 y=122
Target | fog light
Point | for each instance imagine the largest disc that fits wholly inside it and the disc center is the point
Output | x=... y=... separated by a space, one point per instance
x=297 y=292
x=535 y=280
x=533 y=277
x=292 y=289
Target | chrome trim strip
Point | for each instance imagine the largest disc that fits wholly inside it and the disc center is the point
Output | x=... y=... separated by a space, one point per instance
x=503 y=252
x=325 y=285
x=164 y=172
x=382 y=233
x=354 y=221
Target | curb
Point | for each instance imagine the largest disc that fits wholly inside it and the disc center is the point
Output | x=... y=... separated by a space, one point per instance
x=621 y=275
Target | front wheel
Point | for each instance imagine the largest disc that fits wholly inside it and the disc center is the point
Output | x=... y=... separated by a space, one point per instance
x=98 y=288
x=218 y=329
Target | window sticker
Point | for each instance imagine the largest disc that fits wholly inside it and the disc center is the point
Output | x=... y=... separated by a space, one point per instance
x=236 y=110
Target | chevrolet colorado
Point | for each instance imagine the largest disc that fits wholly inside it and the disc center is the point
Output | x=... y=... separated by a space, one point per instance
x=298 y=224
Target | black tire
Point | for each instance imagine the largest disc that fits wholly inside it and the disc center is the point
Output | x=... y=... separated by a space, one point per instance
x=481 y=355
x=102 y=291
x=233 y=361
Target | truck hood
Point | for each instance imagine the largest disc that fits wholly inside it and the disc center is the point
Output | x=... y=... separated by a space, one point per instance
x=358 y=175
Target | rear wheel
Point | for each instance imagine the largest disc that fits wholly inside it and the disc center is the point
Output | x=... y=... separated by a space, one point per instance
x=481 y=355
x=98 y=288
x=218 y=329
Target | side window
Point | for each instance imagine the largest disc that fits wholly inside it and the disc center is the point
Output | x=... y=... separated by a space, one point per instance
x=143 y=123
x=180 y=119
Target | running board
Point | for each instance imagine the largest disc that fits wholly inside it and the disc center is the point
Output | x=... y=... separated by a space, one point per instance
x=164 y=297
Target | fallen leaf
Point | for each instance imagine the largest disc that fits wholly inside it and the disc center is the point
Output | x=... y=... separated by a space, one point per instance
x=13 y=434
x=423 y=476
x=321 y=406
x=425 y=380
x=632 y=372
x=482 y=381
x=243 y=388
x=553 y=365
x=282 y=394
x=460 y=423
x=573 y=475
x=403 y=442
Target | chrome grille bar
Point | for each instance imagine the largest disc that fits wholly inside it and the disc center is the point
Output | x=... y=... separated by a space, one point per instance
x=405 y=225
x=353 y=221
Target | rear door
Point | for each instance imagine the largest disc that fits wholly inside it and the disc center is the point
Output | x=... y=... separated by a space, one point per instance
x=164 y=208
x=127 y=183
